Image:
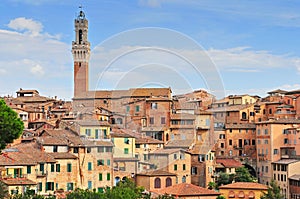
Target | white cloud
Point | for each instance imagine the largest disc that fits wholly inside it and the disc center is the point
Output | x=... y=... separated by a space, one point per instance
x=30 y=54
x=37 y=70
x=30 y=26
x=243 y=59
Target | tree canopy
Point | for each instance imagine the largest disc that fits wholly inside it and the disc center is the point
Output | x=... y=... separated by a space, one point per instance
x=11 y=126
x=242 y=175
x=273 y=192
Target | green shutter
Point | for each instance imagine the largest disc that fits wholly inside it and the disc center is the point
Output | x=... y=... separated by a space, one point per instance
x=69 y=167
x=89 y=166
x=100 y=177
x=57 y=167
x=28 y=169
x=52 y=167
x=108 y=176
x=108 y=162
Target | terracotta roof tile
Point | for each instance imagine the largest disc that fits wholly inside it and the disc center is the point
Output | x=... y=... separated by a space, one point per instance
x=185 y=189
x=18 y=181
x=229 y=163
x=244 y=185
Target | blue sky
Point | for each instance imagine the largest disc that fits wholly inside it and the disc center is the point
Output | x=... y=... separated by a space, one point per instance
x=241 y=46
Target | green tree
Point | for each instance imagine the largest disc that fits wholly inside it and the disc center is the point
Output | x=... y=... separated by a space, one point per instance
x=273 y=192
x=221 y=197
x=224 y=178
x=11 y=127
x=3 y=190
x=242 y=175
x=124 y=189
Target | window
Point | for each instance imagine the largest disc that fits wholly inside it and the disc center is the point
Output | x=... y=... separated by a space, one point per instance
x=90 y=185
x=127 y=108
x=97 y=133
x=258 y=131
x=89 y=166
x=270 y=111
x=100 y=177
x=126 y=151
x=266 y=131
x=222 y=145
x=108 y=149
x=183 y=179
x=108 y=162
x=28 y=169
x=157 y=183
x=175 y=156
x=163 y=120
x=42 y=166
x=286 y=141
x=108 y=176
x=267 y=169
x=69 y=167
x=49 y=186
x=168 y=182
x=100 y=162
x=100 y=149
x=126 y=140
x=194 y=171
x=258 y=141
x=275 y=151
x=40 y=186
x=175 y=167
x=88 y=132
x=253 y=142
x=266 y=141
x=137 y=146
x=57 y=167
x=154 y=105
x=52 y=167
x=222 y=136
x=70 y=186
x=137 y=108
x=230 y=142
x=54 y=149
x=183 y=167
x=151 y=120
x=88 y=149
x=75 y=150
x=230 y=130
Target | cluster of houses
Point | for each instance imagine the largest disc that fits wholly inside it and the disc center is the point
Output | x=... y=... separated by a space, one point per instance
x=174 y=144
x=158 y=140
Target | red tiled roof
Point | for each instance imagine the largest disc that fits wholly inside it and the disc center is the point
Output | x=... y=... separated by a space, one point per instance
x=18 y=181
x=244 y=185
x=229 y=163
x=185 y=189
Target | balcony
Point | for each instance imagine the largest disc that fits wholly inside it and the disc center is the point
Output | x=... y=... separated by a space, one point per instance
x=41 y=174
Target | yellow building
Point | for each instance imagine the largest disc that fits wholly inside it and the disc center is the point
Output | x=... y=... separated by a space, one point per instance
x=157 y=179
x=239 y=190
x=174 y=161
x=125 y=162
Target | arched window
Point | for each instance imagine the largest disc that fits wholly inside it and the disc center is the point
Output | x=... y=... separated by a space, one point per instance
x=168 y=182
x=157 y=183
x=241 y=194
x=183 y=179
x=80 y=36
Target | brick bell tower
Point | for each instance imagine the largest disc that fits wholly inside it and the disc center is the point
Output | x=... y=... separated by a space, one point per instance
x=81 y=55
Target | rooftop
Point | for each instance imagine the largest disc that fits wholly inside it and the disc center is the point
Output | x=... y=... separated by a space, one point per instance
x=244 y=185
